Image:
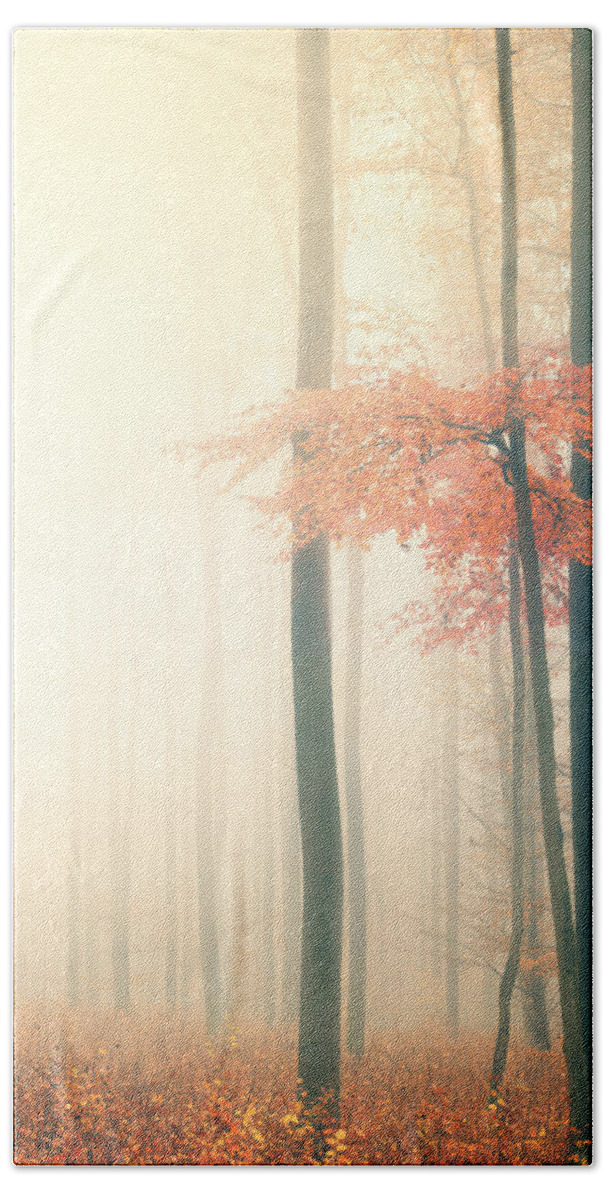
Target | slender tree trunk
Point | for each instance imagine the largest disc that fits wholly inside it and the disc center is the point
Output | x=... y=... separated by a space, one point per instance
x=207 y=928
x=581 y=598
x=355 y=829
x=207 y=889
x=210 y=819
x=536 y=1018
x=565 y=940
x=238 y=965
x=321 y=835
x=451 y=819
x=357 y=949
x=509 y=975
x=466 y=174
x=501 y=717
x=512 y=796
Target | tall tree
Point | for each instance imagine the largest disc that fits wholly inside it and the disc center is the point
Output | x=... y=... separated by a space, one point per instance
x=536 y=1019
x=580 y=602
x=321 y=834
x=509 y=975
x=561 y=905
x=356 y=894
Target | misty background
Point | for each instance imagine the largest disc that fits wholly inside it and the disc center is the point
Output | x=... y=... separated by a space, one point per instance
x=155 y=300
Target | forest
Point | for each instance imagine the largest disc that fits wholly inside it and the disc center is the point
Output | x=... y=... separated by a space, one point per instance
x=303 y=758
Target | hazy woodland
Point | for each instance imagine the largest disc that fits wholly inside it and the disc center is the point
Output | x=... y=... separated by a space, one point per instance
x=159 y=260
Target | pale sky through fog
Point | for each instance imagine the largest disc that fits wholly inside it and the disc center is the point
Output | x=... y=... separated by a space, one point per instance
x=155 y=287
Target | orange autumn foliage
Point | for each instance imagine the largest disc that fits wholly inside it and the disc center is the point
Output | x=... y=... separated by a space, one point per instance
x=430 y=463
x=155 y=1091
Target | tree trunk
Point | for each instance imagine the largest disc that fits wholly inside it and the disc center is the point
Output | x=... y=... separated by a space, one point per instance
x=536 y=1018
x=501 y=718
x=237 y=991
x=210 y=815
x=565 y=941
x=451 y=818
x=357 y=950
x=580 y=602
x=561 y=907
x=321 y=835
x=355 y=830
x=509 y=975
x=466 y=174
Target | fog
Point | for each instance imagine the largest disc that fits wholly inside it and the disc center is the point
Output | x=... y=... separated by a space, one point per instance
x=156 y=287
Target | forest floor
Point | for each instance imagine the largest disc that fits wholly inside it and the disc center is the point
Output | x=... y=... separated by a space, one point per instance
x=119 y=1089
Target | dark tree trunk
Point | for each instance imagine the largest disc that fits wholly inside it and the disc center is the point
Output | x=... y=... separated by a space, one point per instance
x=509 y=975
x=355 y=829
x=561 y=907
x=581 y=648
x=511 y=790
x=451 y=822
x=321 y=835
x=536 y=1018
